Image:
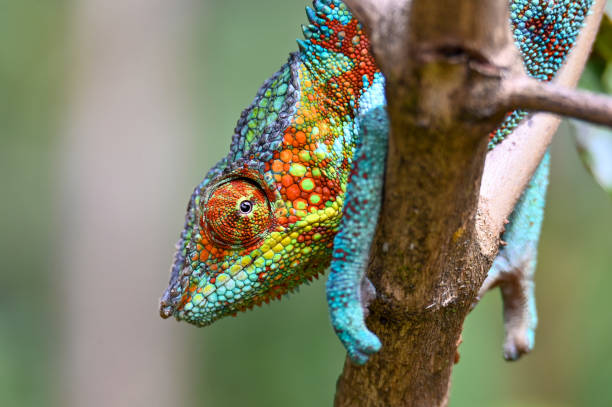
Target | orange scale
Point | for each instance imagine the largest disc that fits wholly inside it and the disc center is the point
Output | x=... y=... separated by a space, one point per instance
x=300 y=137
x=300 y=204
x=277 y=177
x=277 y=166
x=286 y=156
x=184 y=300
x=287 y=180
x=286 y=167
x=293 y=192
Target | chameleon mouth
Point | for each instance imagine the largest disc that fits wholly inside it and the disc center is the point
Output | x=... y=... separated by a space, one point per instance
x=166 y=304
x=170 y=299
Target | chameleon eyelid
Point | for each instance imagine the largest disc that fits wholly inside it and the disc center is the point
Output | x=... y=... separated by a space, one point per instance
x=255 y=195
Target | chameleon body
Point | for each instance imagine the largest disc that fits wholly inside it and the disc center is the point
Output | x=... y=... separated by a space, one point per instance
x=300 y=190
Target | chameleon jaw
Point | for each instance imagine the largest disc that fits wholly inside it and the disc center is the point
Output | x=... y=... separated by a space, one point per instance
x=171 y=297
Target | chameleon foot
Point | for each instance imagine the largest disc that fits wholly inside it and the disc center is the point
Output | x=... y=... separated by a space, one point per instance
x=520 y=317
x=348 y=322
x=348 y=307
x=514 y=267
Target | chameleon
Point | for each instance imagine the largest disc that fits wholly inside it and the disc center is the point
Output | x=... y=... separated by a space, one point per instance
x=300 y=190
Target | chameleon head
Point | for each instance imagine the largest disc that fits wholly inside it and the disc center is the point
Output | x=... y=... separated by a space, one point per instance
x=235 y=251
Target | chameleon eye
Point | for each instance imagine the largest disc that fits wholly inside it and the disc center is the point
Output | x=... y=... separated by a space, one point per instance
x=237 y=213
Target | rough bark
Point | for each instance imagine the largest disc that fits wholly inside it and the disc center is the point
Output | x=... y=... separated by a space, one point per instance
x=437 y=236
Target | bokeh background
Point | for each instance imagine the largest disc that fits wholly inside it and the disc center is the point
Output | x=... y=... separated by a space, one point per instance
x=110 y=113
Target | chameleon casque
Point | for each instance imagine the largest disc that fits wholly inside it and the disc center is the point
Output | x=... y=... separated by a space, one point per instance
x=300 y=190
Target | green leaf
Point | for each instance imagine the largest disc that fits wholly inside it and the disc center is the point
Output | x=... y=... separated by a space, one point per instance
x=594 y=145
x=603 y=42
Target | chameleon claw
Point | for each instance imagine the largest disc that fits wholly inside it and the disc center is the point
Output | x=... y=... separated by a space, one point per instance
x=348 y=320
x=368 y=293
x=512 y=274
x=517 y=344
x=359 y=352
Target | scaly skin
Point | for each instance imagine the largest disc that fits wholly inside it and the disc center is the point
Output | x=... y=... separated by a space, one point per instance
x=301 y=185
x=290 y=158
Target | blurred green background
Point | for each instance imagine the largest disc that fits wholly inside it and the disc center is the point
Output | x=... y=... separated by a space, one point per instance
x=284 y=354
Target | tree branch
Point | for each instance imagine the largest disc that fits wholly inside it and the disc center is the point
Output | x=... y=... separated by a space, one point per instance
x=438 y=58
x=530 y=94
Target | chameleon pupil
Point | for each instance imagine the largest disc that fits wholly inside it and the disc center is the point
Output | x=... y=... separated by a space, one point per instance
x=246 y=207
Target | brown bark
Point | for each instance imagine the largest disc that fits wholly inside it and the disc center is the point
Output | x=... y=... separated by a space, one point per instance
x=436 y=239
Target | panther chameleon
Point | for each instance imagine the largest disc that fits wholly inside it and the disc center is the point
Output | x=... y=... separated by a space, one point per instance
x=300 y=190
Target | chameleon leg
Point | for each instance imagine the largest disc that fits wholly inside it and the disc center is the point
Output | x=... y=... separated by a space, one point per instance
x=513 y=269
x=347 y=286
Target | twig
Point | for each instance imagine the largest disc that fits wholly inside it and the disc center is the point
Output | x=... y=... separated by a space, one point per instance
x=530 y=94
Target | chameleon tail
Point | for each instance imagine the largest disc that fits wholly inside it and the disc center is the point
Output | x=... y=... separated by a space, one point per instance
x=514 y=268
